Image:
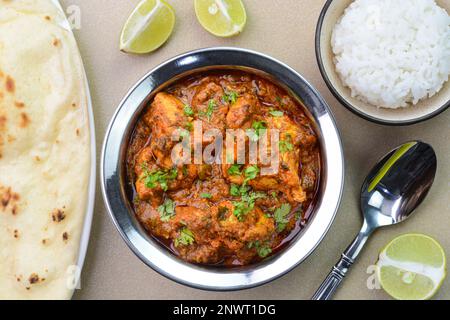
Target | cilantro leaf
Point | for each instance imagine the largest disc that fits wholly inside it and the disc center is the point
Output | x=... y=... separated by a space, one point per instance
x=188 y=111
x=235 y=170
x=206 y=195
x=281 y=216
x=167 y=210
x=185 y=238
x=230 y=97
x=286 y=145
x=234 y=190
x=209 y=110
x=251 y=173
x=161 y=177
x=255 y=133
x=247 y=203
x=276 y=113
x=262 y=250
x=259 y=125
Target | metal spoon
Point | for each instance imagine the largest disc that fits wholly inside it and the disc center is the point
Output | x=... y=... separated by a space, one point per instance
x=390 y=193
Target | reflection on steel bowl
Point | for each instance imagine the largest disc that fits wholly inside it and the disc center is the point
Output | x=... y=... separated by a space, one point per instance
x=187 y=217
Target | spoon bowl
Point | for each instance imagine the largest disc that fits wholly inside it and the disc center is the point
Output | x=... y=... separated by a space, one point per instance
x=397 y=185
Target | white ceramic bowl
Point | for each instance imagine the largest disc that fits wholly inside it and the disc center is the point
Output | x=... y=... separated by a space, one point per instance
x=424 y=110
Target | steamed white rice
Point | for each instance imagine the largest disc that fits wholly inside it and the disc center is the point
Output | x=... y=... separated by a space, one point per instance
x=392 y=53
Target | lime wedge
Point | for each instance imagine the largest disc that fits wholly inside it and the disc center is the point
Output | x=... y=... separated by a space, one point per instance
x=222 y=18
x=148 y=27
x=412 y=267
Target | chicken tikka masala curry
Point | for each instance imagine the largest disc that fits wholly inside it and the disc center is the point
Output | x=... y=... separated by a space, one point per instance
x=223 y=214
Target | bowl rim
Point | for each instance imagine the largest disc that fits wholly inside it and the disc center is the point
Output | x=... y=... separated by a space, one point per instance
x=211 y=279
x=344 y=101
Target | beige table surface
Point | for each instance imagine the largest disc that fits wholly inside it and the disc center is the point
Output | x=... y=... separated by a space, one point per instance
x=283 y=29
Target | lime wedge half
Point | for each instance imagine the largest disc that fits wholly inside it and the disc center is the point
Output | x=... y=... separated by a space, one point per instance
x=222 y=18
x=148 y=27
x=412 y=267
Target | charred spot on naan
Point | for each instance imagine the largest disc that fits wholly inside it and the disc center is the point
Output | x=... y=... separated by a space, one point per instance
x=16 y=234
x=58 y=215
x=19 y=104
x=10 y=84
x=24 y=120
x=56 y=42
x=3 y=120
x=35 y=279
x=65 y=236
x=9 y=200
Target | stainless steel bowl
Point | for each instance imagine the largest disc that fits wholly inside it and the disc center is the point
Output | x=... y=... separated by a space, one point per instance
x=114 y=183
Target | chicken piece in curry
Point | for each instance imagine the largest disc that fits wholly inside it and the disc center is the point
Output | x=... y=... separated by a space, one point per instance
x=225 y=214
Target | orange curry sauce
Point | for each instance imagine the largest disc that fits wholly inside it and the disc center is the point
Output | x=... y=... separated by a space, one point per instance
x=223 y=214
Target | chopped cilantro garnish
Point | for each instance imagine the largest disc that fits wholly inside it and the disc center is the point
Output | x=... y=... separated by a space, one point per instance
x=251 y=173
x=209 y=110
x=185 y=238
x=206 y=195
x=241 y=208
x=230 y=97
x=257 y=126
x=281 y=216
x=188 y=110
x=276 y=113
x=161 y=177
x=166 y=210
x=286 y=145
x=235 y=170
x=248 y=198
x=247 y=203
x=262 y=250
x=234 y=190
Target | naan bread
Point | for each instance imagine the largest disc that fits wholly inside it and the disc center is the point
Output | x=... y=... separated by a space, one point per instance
x=44 y=152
